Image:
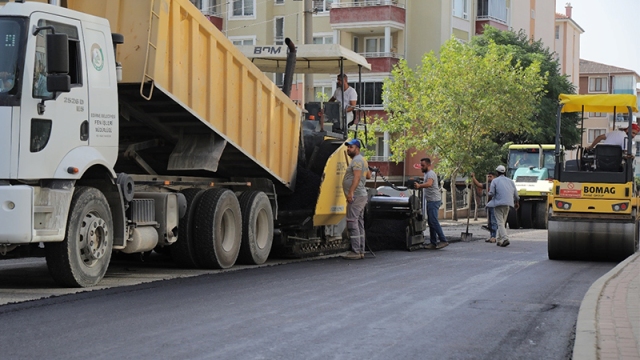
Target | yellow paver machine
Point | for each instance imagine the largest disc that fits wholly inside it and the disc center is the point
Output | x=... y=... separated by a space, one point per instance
x=593 y=206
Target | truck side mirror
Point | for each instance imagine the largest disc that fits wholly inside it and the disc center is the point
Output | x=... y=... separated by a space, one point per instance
x=58 y=79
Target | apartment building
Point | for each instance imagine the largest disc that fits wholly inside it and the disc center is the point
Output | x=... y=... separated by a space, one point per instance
x=597 y=78
x=567 y=45
x=383 y=31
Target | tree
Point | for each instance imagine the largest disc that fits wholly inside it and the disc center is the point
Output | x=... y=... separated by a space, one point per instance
x=527 y=52
x=451 y=106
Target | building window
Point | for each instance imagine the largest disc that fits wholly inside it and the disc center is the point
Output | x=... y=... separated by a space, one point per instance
x=323 y=39
x=557 y=32
x=243 y=8
x=279 y=2
x=598 y=84
x=322 y=5
x=208 y=7
x=374 y=45
x=278 y=31
x=461 y=8
x=355 y=44
x=239 y=41
x=380 y=146
x=370 y=94
x=322 y=93
x=594 y=133
x=597 y=114
x=278 y=79
x=624 y=84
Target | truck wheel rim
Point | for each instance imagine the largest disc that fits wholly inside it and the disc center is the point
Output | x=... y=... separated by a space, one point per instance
x=262 y=229
x=228 y=230
x=93 y=239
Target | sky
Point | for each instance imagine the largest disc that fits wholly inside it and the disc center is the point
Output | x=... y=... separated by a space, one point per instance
x=611 y=30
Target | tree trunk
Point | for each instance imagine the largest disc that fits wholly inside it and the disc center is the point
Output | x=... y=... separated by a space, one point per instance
x=454 y=206
x=475 y=202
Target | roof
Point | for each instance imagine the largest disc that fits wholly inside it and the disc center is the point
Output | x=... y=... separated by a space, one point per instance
x=564 y=18
x=592 y=67
x=310 y=59
x=599 y=103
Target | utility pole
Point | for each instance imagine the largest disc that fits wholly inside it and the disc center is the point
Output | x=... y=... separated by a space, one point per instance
x=308 y=39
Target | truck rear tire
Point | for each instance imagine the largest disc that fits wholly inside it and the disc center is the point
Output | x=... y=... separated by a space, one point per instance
x=82 y=258
x=257 y=228
x=512 y=219
x=218 y=229
x=183 y=252
x=526 y=215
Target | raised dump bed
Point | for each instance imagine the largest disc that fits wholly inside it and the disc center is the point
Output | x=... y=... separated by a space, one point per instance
x=191 y=103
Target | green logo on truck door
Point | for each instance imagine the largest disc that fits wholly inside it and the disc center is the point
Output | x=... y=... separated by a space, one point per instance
x=97 y=58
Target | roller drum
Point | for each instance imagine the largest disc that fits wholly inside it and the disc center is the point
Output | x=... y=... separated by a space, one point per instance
x=594 y=239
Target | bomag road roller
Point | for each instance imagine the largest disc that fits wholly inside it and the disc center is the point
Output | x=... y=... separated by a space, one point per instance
x=593 y=206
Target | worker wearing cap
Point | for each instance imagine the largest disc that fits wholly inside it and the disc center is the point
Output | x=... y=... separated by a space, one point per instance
x=617 y=137
x=353 y=185
x=502 y=196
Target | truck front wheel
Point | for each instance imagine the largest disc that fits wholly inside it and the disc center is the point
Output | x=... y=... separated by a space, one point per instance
x=82 y=258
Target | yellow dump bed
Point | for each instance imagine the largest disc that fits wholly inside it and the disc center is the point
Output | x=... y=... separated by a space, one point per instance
x=201 y=82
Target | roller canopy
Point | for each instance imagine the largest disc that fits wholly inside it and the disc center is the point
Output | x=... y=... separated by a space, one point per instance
x=599 y=103
x=310 y=59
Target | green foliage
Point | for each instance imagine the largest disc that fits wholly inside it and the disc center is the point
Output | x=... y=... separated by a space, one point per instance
x=322 y=96
x=367 y=139
x=453 y=106
x=527 y=52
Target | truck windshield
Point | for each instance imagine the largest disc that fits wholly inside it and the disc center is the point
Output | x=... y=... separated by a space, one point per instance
x=529 y=157
x=11 y=54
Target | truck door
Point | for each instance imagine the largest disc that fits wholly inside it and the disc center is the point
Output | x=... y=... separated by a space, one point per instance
x=50 y=128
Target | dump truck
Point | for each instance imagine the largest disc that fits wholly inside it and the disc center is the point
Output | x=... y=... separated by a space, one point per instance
x=134 y=126
x=593 y=205
x=531 y=166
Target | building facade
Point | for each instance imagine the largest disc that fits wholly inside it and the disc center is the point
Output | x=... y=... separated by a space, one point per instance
x=567 y=46
x=383 y=31
x=597 y=78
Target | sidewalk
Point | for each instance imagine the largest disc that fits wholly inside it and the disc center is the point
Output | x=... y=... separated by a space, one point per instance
x=609 y=319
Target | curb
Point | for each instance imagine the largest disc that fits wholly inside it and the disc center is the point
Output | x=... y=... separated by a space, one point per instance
x=585 y=346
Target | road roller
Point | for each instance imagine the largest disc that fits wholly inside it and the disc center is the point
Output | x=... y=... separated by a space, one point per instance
x=593 y=206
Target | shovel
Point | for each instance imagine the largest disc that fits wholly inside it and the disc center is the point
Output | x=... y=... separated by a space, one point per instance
x=466 y=236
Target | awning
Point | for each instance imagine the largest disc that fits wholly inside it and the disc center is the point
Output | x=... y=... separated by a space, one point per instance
x=310 y=59
x=599 y=103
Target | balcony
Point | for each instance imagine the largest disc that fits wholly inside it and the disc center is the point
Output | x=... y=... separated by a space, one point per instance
x=382 y=61
x=492 y=13
x=344 y=14
x=216 y=20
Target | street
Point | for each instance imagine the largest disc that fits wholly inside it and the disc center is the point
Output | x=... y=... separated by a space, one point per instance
x=471 y=300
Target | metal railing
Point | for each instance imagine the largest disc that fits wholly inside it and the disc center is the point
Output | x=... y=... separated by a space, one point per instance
x=320 y=5
x=379 y=158
x=364 y=3
x=493 y=18
x=381 y=55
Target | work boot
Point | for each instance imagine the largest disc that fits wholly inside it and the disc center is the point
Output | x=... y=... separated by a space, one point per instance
x=442 y=244
x=429 y=246
x=505 y=243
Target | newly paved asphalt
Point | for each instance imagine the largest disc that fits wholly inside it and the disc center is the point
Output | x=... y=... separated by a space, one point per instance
x=471 y=300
